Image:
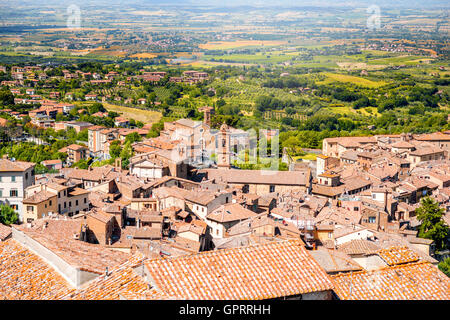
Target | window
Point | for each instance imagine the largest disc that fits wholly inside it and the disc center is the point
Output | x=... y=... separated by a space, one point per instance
x=76 y=202
x=1 y=193
x=26 y=176
x=272 y=188
x=13 y=178
x=372 y=219
x=355 y=209
x=84 y=200
x=13 y=193
x=30 y=220
x=50 y=203
x=330 y=235
x=30 y=208
x=64 y=205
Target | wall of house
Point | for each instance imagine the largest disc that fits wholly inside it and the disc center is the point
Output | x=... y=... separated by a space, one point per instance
x=49 y=205
x=189 y=235
x=100 y=231
x=362 y=234
x=71 y=203
x=324 y=235
x=263 y=189
x=217 y=229
x=370 y=262
x=151 y=204
x=171 y=202
x=264 y=230
x=422 y=247
x=72 y=274
x=22 y=180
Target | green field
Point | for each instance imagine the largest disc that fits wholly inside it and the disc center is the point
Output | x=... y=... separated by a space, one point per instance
x=331 y=77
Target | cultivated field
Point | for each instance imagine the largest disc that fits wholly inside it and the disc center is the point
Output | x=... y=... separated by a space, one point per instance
x=352 y=79
x=222 y=45
x=145 y=116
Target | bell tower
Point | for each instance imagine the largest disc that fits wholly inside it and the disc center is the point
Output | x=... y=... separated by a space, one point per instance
x=223 y=154
x=207 y=112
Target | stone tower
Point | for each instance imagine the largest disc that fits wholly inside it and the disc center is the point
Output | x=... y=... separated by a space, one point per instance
x=207 y=112
x=223 y=151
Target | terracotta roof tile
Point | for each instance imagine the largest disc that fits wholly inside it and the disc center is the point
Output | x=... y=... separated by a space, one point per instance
x=5 y=232
x=25 y=276
x=273 y=270
x=121 y=282
x=412 y=281
x=359 y=247
x=7 y=165
x=397 y=255
x=86 y=256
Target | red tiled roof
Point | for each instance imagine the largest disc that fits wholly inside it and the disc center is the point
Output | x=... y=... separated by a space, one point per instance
x=85 y=256
x=5 y=232
x=7 y=165
x=357 y=247
x=230 y=212
x=25 y=276
x=273 y=270
x=397 y=255
x=121 y=282
x=412 y=281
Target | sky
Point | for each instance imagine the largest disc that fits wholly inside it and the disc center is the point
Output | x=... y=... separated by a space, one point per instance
x=259 y=3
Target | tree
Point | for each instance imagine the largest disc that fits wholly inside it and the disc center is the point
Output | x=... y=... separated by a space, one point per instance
x=96 y=107
x=133 y=137
x=6 y=97
x=432 y=224
x=83 y=135
x=82 y=164
x=444 y=266
x=126 y=154
x=7 y=215
x=115 y=148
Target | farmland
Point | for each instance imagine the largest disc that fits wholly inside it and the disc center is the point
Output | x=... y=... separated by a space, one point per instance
x=311 y=69
x=146 y=116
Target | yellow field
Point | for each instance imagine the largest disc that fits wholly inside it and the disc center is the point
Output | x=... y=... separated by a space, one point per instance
x=152 y=13
x=145 y=116
x=349 y=110
x=220 y=45
x=115 y=51
x=359 y=66
x=144 y=55
x=352 y=79
x=208 y=64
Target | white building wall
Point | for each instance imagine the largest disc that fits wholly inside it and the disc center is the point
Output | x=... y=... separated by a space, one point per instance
x=22 y=180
